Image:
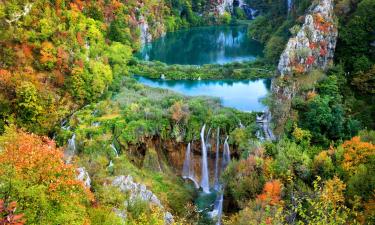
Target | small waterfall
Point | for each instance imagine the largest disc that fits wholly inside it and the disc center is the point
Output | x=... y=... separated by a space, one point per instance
x=218 y=205
x=114 y=150
x=289 y=5
x=218 y=208
x=208 y=142
x=226 y=155
x=205 y=184
x=71 y=149
x=216 y=179
x=187 y=163
x=188 y=167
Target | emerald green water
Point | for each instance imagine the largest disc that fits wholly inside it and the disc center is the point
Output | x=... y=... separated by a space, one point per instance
x=203 y=45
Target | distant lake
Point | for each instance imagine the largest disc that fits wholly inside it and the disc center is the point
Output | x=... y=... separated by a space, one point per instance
x=203 y=45
x=243 y=95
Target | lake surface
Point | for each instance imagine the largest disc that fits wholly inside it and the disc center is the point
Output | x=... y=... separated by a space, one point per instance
x=243 y=95
x=203 y=45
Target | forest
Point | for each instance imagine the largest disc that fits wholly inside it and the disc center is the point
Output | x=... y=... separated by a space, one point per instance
x=82 y=141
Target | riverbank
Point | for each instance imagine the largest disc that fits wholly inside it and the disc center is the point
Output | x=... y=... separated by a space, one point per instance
x=237 y=70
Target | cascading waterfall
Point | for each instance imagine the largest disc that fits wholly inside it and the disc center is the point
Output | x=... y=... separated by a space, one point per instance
x=208 y=142
x=216 y=177
x=205 y=184
x=226 y=154
x=188 y=168
x=114 y=150
x=71 y=149
x=218 y=205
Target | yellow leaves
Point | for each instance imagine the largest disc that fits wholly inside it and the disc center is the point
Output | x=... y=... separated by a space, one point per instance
x=47 y=55
x=333 y=191
x=301 y=135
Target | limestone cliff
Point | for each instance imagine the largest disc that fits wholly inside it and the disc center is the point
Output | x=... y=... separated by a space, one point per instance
x=311 y=48
x=314 y=44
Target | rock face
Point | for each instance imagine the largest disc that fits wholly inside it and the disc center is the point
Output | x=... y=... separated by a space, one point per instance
x=83 y=176
x=139 y=191
x=314 y=45
x=222 y=6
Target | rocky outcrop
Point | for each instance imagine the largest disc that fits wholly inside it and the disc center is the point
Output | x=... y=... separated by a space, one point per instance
x=314 y=45
x=84 y=176
x=222 y=6
x=139 y=191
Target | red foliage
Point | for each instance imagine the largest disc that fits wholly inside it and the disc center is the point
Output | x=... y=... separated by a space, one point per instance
x=310 y=60
x=322 y=52
x=27 y=50
x=8 y=216
x=312 y=45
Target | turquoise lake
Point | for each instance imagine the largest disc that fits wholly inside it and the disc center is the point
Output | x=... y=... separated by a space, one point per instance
x=203 y=45
x=243 y=95
x=209 y=45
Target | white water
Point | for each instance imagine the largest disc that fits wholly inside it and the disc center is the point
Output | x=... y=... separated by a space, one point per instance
x=188 y=167
x=216 y=177
x=218 y=205
x=226 y=155
x=114 y=150
x=205 y=184
x=71 y=149
x=289 y=5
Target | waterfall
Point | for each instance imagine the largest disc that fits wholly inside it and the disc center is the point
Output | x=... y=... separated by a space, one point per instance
x=71 y=149
x=205 y=184
x=114 y=150
x=226 y=154
x=188 y=167
x=289 y=5
x=218 y=205
x=208 y=142
x=216 y=180
x=218 y=208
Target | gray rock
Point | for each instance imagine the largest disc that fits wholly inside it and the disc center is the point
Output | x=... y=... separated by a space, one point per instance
x=314 y=45
x=140 y=191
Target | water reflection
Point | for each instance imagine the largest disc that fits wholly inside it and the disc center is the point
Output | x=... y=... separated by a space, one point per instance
x=243 y=95
x=203 y=45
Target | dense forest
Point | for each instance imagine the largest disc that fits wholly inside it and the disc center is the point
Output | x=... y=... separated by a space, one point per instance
x=83 y=142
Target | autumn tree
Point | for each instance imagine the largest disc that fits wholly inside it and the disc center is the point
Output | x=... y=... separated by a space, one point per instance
x=34 y=174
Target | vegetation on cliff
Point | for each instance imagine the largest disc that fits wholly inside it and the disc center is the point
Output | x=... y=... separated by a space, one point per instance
x=67 y=61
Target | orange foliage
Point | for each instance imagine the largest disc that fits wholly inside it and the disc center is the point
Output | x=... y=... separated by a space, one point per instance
x=271 y=193
x=321 y=24
x=27 y=50
x=77 y=5
x=46 y=52
x=38 y=160
x=311 y=95
x=356 y=152
x=8 y=216
x=80 y=40
x=299 y=68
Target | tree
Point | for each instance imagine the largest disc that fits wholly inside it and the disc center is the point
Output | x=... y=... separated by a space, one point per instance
x=34 y=174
